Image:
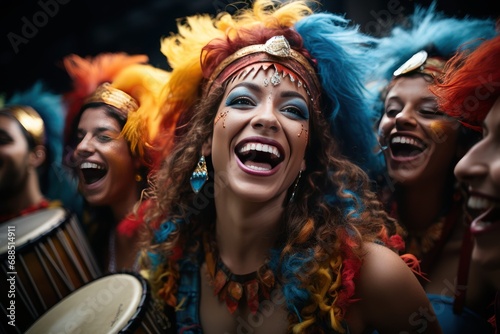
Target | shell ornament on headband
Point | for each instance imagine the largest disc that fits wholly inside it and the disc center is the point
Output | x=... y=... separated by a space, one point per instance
x=422 y=63
x=277 y=46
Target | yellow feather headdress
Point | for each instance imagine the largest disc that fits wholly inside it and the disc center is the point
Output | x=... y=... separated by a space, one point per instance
x=183 y=50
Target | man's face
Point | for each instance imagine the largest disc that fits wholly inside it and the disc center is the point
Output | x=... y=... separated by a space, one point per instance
x=14 y=157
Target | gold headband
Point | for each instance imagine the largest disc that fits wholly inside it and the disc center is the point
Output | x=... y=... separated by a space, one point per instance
x=276 y=46
x=29 y=119
x=106 y=93
x=422 y=63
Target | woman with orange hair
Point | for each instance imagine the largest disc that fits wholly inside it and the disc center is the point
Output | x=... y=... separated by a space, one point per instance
x=276 y=229
x=470 y=92
x=113 y=128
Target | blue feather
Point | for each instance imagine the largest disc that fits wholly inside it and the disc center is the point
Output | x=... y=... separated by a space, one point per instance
x=340 y=51
x=429 y=30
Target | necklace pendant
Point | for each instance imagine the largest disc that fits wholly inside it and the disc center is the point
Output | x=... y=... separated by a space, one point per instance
x=235 y=290
x=234 y=293
x=252 y=294
x=219 y=281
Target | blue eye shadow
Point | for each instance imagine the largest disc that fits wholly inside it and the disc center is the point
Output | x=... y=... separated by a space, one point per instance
x=236 y=93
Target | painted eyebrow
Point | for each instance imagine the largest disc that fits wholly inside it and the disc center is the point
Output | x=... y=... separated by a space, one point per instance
x=429 y=98
x=292 y=93
x=250 y=85
x=256 y=87
x=101 y=129
x=394 y=98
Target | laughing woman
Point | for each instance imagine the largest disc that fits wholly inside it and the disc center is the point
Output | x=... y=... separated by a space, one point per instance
x=470 y=93
x=421 y=146
x=111 y=138
x=275 y=230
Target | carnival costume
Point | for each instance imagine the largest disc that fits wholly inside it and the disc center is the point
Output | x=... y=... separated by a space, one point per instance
x=423 y=45
x=326 y=56
x=41 y=114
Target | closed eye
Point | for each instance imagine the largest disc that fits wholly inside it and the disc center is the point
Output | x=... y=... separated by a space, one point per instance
x=104 y=138
x=391 y=112
x=431 y=113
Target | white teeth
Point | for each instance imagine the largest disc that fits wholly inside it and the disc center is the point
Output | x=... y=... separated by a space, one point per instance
x=257 y=167
x=479 y=203
x=86 y=165
x=407 y=140
x=261 y=148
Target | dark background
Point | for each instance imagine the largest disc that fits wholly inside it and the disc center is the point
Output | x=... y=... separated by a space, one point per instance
x=89 y=27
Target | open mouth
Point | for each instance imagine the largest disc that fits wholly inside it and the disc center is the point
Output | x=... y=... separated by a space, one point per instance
x=92 y=172
x=406 y=147
x=259 y=156
x=487 y=213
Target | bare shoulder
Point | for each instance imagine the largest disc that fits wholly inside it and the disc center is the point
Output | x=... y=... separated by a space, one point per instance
x=391 y=299
x=383 y=266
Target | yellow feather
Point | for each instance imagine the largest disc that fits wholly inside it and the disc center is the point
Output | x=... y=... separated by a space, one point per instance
x=144 y=83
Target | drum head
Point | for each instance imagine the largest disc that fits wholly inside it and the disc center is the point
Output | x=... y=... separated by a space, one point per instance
x=31 y=226
x=105 y=305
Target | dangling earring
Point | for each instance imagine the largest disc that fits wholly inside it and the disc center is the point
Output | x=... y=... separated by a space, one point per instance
x=199 y=176
x=295 y=187
x=138 y=177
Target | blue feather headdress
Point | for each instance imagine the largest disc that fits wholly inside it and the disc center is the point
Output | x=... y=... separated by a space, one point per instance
x=429 y=30
x=341 y=54
x=56 y=183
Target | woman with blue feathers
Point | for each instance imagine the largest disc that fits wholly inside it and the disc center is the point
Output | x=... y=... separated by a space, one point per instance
x=263 y=218
x=421 y=146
